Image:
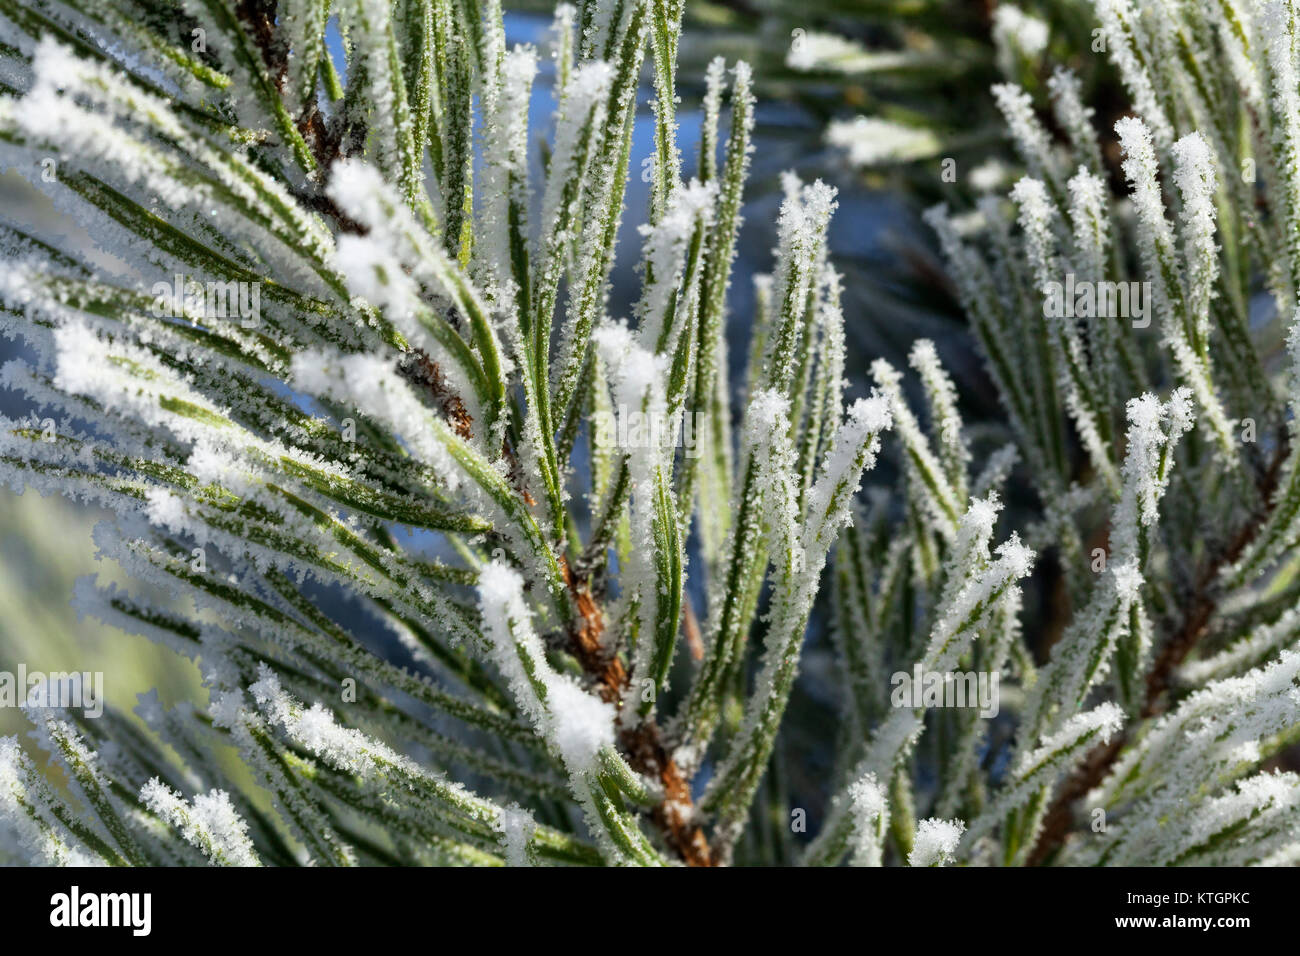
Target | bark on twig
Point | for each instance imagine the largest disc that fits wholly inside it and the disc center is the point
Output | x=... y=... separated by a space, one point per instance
x=1194 y=625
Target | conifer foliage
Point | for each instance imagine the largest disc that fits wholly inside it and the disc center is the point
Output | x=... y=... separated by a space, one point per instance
x=477 y=571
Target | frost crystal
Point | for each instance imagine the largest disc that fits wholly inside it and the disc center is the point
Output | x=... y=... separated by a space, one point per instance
x=935 y=842
x=211 y=824
x=336 y=338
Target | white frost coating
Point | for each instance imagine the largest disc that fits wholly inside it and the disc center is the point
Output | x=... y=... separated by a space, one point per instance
x=1146 y=475
x=1141 y=169
x=995 y=471
x=380 y=768
x=970 y=548
x=1032 y=142
x=940 y=504
x=1264 y=805
x=213 y=463
x=805 y=215
x=1182 y=413
x=1116 y=17
x=1074 y=117
x=1050 y=761
x=989 y=176
x=299 y=22
x=1258 y=645
x=1037 y=217
x=870 y=807
x=211 y=824
x=82 y=766
x=26 y=821
x=371 y=19
x=166 y=509
x=46 y=114
x=127 y=379
x=507 y=622
x=690 y=208
x=1016 y=31
x=98 y=121
x=945 y=418
x=370 y=383
x=636 y=373
x=1208 y=736
x=1279 y=43
x=767 y=408
x=584 y=101
x=1037 y=212
x=395 y=260
x=505 y=168
x=171 y=407
x=574 y=722
x=1082 y=657
x=1103 y=721
x=1014 y=561
x=581 y=724
x=935 y=842
x=1237 y=23
x=870 y=141
x=227 y=708
x=1165 y=272
x=1191 y=752
x=374 y=272
x=516 y=826
x=1146 y=438
x=871 y=414
x=1090 y=219
x=972 y=599
x=815 y=50
x=798 y=543
x=596 y=37
x=838 y=477
x=976 y=290
x=316 y=729
x=964 y=605
x=637 y=377
x=361 y=190
x=1195 y=178
x=766 y=436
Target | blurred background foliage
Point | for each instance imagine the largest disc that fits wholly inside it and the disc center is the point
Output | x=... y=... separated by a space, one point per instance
x=46 y=545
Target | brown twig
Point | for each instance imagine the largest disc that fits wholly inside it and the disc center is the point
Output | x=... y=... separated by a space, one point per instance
x=515 y=472
x=1195 y=624
x=675 y=814
x=259 y=17
x=328 y=142
x=586 y=639
x=419 y=369
x=691 y=628
x=643 y=743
